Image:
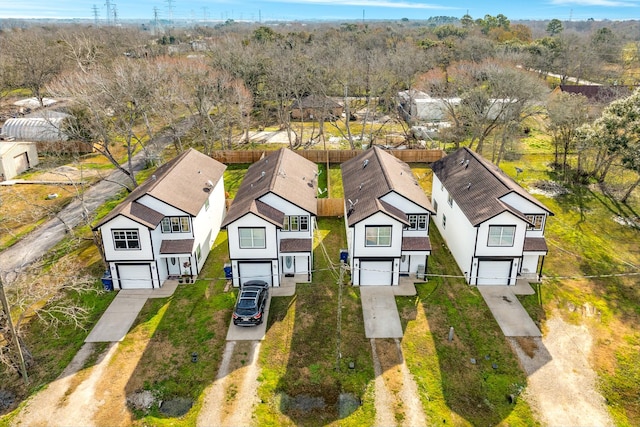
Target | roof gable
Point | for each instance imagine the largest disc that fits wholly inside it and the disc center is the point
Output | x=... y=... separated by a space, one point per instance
x=284 y=173
x=371 y=175
x=477 y=185
x=184 y=182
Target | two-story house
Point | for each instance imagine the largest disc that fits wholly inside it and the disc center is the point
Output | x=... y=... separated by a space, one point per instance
x=165 y=228
x=271 y=220
x=386 y=217
x=493 y=227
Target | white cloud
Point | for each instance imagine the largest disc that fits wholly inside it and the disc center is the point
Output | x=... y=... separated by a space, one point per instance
x=371 y=3
x=603 y=3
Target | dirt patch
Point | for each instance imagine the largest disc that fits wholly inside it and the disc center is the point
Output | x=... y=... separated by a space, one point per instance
x=230 y=399
x=397 y=400
x=561 y=383
x=528 y=345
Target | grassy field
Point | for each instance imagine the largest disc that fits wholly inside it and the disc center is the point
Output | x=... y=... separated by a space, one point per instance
x=591 y=278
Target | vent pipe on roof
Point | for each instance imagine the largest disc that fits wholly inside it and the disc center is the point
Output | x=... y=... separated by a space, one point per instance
x=365 y=163
x=466 y=164
x=153 y=177
x=468 y=186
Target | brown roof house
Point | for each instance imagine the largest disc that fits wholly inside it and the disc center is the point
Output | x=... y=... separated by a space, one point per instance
x=165 y=228
x=387 y=219
x=271 y=220
x=493 y=227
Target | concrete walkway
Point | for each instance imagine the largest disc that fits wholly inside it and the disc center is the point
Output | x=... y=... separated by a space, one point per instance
x=117 y=319
x=379 y=309
x=512 y=318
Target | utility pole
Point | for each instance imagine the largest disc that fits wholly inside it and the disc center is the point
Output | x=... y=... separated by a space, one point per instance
x=14 y=335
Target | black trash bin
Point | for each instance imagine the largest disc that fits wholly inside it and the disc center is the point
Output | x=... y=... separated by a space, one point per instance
x=107 y=281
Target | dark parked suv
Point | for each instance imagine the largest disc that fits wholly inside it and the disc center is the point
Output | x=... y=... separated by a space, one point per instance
x=252 y=300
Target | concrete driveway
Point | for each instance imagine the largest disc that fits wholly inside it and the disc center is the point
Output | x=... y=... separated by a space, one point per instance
x=117 y=319
x=512 y=318
x=379 y=309
x=257 y=333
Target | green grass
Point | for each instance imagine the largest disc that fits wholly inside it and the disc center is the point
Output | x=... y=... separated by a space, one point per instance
x=300 y=353
x=194 y=320
x=452 y=389
x=233 y=177
x=53 y=349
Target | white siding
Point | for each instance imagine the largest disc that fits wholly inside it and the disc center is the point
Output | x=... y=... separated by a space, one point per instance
x=206 y=225
x=160 y=206
x=122 y=223
x=252 y=221
x=505 y=218
x=378 y=219
x=459 y=234
x=407 y=206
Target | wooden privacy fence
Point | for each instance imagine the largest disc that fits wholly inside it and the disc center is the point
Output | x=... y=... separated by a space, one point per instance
x=326 y=207
x=322 y=156
x=330 y=207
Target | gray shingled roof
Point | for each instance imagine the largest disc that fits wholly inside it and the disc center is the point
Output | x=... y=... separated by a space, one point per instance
x=371 y=175
x=416 y=244
x=295 y=245
x=535 y=244
x=182 y=246
x=284 y=173
x=181 y=182
x=476 y=185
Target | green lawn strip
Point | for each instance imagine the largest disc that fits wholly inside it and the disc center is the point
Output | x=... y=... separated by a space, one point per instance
x=336 y=188
x=299 y=357
x=53 y=349
x=585 y=238
x=194 y=320
x=233 y=176
x=452 y=388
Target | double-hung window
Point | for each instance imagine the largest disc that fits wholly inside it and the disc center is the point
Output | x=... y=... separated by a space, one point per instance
x=536 y=220
x=501 y=235
x=378 y=235
x=417 y=222
x=175 y=224
x=296 y=223
x=252 y=238
x=124 y=240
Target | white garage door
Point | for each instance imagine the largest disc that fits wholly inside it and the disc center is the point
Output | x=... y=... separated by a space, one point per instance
x=134 y=276
x=494 y=272
x=255 y=271
x=21 y=162
x=376 y=273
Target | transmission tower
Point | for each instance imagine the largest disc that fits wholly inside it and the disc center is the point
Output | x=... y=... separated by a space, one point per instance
x=155 y=19
x=170 y=9
x=115 y=14
x=108 y=4
x=95 y=14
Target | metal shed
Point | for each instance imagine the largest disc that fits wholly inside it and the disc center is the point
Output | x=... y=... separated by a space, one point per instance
x=36 y=128
x=16 y=157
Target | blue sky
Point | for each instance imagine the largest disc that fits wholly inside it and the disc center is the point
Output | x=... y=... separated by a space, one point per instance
x=323 y=9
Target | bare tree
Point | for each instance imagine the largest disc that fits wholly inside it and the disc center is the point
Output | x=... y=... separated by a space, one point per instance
x=35 y=59
x=116 y=105
x=567 y=112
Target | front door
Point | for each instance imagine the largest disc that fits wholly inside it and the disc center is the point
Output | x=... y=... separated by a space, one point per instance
x=288 y=265
x=404 y=264
x=174 y=266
